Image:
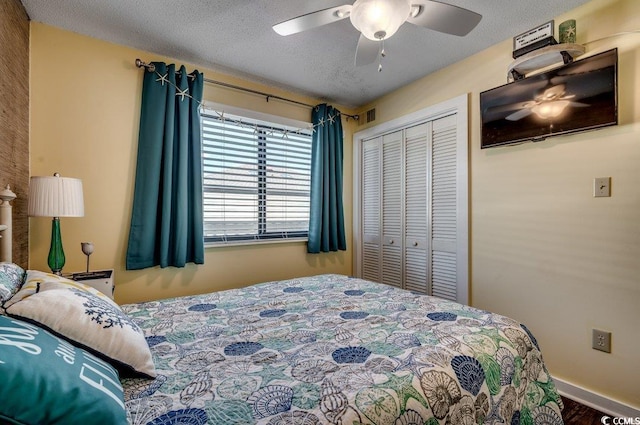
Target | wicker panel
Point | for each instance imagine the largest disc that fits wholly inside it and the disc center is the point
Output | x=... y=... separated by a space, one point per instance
x=14 y=118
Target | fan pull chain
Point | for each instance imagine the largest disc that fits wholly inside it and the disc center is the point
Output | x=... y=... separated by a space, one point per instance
x=382 y=55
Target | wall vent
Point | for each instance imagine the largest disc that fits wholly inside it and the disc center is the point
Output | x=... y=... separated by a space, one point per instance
x=367 y=117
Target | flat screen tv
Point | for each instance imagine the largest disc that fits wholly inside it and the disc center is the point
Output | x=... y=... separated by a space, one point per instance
x=581 y=95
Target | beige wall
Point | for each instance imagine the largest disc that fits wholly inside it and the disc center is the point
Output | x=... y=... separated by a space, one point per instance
x=84 y=124
x=543 y=250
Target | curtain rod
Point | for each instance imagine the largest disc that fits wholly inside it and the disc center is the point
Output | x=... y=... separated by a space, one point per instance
x=151 y=68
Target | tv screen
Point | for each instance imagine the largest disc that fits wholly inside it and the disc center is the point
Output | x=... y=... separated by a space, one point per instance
x=578 y=96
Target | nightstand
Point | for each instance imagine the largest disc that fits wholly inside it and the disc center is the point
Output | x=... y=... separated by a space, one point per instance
x=102 y=280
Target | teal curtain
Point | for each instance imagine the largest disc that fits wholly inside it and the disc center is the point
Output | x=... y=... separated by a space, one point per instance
x=326 y=219
x=167 y=217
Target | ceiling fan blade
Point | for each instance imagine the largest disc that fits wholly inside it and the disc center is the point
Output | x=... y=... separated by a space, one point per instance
x=445 y=17
x=508 y=108
x=313 y=20
x=518 y=115
x=367 y=51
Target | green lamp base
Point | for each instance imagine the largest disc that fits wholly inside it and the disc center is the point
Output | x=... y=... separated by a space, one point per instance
x=56 y=253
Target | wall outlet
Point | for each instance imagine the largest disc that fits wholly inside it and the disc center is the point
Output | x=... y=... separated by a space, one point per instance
x=601 y=340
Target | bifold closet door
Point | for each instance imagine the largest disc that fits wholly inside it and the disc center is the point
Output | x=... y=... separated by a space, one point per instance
x=416 y=213
x=382 y=209
x=370 y=210
x=444 y=207
x=392 y=208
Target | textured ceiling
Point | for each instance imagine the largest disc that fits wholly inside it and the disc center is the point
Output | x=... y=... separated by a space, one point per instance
x=235 y=37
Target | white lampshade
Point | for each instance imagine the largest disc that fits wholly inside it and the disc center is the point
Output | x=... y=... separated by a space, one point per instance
x=379 y=19
x=55 y=196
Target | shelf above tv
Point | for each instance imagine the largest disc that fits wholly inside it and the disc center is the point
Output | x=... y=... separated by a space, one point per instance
x=542 y=58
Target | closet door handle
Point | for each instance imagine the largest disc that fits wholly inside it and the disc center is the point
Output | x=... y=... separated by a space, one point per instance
x=391 y=241
x=415 y=243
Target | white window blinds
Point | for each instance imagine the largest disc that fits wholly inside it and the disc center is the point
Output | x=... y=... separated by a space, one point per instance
x=256 y=180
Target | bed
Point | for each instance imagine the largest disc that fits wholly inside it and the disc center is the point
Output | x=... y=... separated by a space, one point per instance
x=326 y=349
x=339 y=350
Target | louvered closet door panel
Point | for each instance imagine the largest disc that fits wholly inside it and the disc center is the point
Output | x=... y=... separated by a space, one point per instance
x=443 y=209
x=416 y=209
x=371 y=252
x=392 y=223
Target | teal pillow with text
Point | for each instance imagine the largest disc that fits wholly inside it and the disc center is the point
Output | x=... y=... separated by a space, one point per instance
x=46 y=380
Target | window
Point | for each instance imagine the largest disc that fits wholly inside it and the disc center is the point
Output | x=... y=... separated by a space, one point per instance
x=256 y=179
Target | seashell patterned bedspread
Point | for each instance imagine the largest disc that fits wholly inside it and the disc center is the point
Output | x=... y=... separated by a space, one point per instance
x=331 y=349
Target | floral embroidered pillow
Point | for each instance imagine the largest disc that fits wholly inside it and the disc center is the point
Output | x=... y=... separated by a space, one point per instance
x=11 y=279
x=87 y=318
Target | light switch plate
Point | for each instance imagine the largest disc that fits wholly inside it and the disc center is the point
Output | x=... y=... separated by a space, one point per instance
x=601 y=187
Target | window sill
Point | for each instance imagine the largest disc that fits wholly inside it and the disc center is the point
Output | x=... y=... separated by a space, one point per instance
x=253 y=242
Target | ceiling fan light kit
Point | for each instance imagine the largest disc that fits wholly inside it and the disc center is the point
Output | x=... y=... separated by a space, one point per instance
x=379 y=19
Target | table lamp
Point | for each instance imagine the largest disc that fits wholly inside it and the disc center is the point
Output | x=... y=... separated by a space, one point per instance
x=55 y=197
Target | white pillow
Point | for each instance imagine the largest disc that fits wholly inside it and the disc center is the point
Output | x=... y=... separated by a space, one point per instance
x=84 y=316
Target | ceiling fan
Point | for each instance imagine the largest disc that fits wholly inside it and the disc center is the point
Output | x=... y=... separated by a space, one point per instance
x=550 y=103
x=378 y=20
